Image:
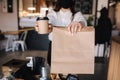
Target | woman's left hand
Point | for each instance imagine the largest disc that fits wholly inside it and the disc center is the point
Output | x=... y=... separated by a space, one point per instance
x=74 y=27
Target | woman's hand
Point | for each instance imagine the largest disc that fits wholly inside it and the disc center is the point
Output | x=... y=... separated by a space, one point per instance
x=50 y=27
x=74 y=27
x=36 y=26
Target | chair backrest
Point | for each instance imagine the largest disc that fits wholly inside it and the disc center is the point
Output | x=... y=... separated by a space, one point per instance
x=23 y=36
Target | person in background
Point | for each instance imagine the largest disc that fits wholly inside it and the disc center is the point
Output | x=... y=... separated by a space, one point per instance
x=64 y=15
x=104 y=28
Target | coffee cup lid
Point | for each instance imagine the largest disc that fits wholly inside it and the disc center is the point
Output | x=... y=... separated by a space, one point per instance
x=42 y=18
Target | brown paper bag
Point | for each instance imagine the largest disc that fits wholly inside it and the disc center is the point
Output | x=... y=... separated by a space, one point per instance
x=73 y=53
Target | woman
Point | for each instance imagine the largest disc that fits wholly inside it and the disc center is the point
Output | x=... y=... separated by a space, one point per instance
x=64 y=15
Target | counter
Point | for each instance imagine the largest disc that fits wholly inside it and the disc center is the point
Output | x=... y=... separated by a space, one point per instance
x=114 y=61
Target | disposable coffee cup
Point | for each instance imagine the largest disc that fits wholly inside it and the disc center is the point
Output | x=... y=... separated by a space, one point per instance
x=43 y=27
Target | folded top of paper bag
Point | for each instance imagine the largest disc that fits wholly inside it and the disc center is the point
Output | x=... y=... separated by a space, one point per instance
x=88 y=28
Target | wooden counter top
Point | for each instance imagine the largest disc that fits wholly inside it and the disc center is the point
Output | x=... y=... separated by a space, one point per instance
x=114 y=60
x=27 y=29
x=12 y=32
x=17 y=31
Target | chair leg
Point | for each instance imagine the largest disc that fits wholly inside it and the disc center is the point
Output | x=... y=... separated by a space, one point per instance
x=22 y=46
x=25 y=46
x=17 y=46
x=13 y=47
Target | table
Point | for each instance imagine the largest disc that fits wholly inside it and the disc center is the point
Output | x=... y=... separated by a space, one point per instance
x=22 y=72
x=18 y=68
x=13 y=35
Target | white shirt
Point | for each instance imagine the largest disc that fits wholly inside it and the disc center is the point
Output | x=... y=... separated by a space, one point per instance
x=63 y=19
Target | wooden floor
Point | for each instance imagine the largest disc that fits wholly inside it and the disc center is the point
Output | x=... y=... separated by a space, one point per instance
x=100 y=64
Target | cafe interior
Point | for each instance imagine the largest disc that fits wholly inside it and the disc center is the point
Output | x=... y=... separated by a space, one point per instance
x=17 y=21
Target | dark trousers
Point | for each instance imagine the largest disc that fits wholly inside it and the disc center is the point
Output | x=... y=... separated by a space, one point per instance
x=49 y=54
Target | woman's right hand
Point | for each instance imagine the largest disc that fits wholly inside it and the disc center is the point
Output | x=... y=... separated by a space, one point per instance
x=36 y=26
x=50 y=28
x=74 y=27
